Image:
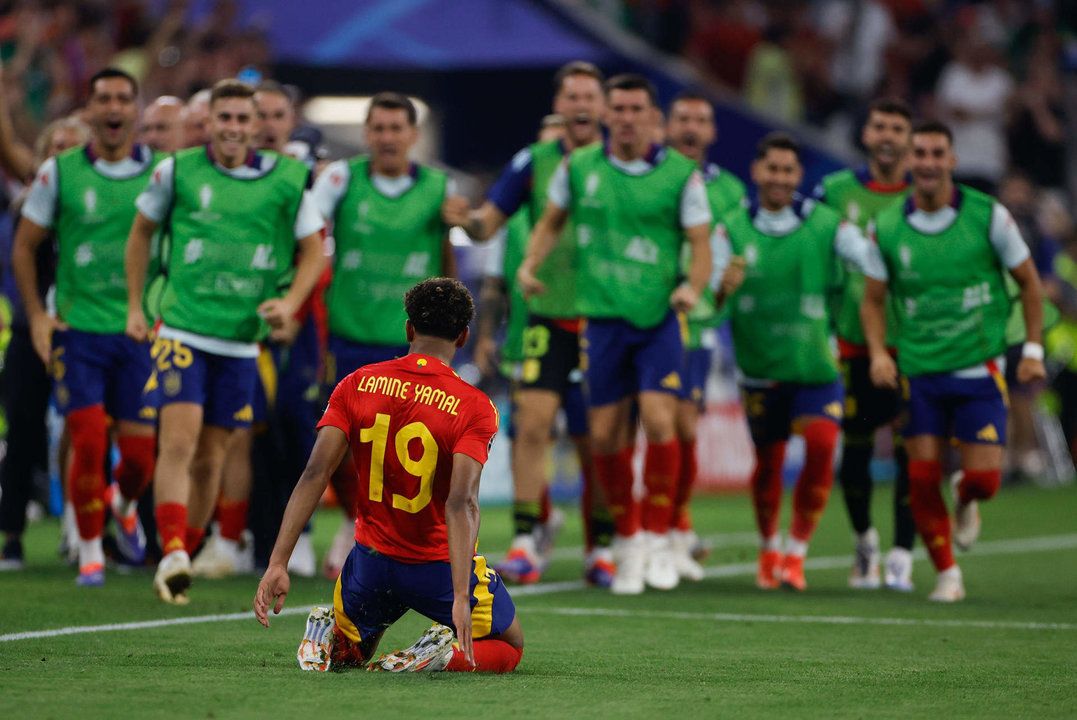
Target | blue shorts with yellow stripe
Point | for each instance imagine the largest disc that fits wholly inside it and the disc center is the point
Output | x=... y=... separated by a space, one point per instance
x=94 y=369
x=621 y=359
x=374 y=591
x=223 y=386
x=772 y=408
x=969 y=409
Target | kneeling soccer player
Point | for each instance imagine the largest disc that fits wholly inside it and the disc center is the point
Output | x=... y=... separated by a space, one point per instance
x=419 y=436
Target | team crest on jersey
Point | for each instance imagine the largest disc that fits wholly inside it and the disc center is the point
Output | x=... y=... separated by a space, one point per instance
x=751 y=255
x=905 y=254
x=84 y=255
x=89 y=200
x=421 y=362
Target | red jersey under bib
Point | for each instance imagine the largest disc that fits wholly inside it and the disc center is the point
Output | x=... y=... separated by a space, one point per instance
x=405 y=419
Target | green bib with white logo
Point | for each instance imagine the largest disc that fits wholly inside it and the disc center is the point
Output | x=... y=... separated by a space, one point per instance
x=724 y=192
x=232 y=241
x=779 y=314
x=558 y=271
x=948 y=288
x=384 y=246
x=94 y=217
x=628 y=235
x=845 y=193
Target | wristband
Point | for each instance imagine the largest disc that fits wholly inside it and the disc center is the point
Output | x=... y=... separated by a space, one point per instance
x=1033 y=351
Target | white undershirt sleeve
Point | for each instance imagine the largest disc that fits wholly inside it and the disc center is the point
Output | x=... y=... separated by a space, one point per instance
x=1006 y=238
x=873 y=265
x=155 y=201
x=721 y=251
x=695 y=209
x=308 y=220
x=40 y=204
x=559 y=191
x=330 y=187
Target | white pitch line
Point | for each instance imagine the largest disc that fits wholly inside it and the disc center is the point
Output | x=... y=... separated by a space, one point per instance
x=993 y=547
x=816 y=619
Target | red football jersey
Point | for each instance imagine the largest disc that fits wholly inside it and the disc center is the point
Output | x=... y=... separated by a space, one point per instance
x=405 y=419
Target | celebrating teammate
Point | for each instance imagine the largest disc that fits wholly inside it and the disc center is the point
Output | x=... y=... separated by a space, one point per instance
x=419 y=436
x=691 y=131
x=550 y=378
x=784 y=250
x=858 y=195
x=943 y=255
x=235 y=217
x=162 y=125
x=86 y=195
x=633 y=204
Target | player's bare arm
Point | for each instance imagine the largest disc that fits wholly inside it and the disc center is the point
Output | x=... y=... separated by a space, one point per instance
x=873 y=317
x=328 y=451
x=1031 y=367
x=732 y=277
x=28 y=237
x=135 y=260
x=462 y=527
x=485 y=221
x=543 y=240
x=685 y=297
x=308 y=269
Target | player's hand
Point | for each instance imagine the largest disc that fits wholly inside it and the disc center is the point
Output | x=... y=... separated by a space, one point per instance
x=276 y=312
x=41 y=329
x=485 y=352
x=137 y=328
x=455 y=209
x=461 y=618
x=684 y=298
x=733 y=276
x=1030 y=370
x=529 y=284
x=884 y=371
x=274 y=587
x=287 y=333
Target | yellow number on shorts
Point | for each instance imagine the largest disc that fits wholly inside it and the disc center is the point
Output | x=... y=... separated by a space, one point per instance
x=163 y=348
x=422 y=468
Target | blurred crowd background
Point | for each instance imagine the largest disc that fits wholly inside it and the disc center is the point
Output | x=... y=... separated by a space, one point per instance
x=1002 y=73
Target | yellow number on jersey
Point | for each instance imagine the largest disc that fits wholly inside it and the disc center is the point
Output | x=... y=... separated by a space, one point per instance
x=423 y=468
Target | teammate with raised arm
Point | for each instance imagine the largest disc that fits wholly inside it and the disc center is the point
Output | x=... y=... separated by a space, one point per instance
x=550 y=378
x=859 y=194
x=86 y=196
x=943 y=255
x=419 y=436
x=236 y=217
x=779 y=255
x=691 y=131
x=633 y=204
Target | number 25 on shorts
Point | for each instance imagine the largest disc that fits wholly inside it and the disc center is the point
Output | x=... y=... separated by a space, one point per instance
x=423 y=468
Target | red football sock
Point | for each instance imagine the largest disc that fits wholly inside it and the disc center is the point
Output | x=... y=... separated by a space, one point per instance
x=138 y=456
x=544 y=508
x=929 y=511
x=767 y=487
x=194 y=537
x=171 y=526
x=493 y=656
x=86 y=478
x=682 y=519
x=232 y=515
x=816 y=478
x=614 y=473
x=978 y=485
x=661 y=471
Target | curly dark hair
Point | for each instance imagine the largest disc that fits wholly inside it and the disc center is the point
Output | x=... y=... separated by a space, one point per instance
x=439 y=307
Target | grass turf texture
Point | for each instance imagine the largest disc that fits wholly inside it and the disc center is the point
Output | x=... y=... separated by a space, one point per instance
x=686 y=653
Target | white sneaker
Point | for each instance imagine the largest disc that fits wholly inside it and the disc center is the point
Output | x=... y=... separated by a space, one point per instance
x=630 y=557
x=864 y=574
x=898 y=574
x=316 y=650
x=173 y=578
x=342 y=545
x=966 y=516
x=69 y=536
x=303 y=562
x=949 y=587
x=686 y=566
x=431 y=653
x=546 y=533
x=219 y=558
x=661 y=573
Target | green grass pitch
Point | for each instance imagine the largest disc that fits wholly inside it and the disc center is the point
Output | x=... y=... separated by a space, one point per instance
x=714 y=649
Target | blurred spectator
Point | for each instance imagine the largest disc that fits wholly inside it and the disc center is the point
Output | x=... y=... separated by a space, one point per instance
x=1037 y=134
x=771 y=83
x=727 y=32
x=859 y=33
x=972 y=97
